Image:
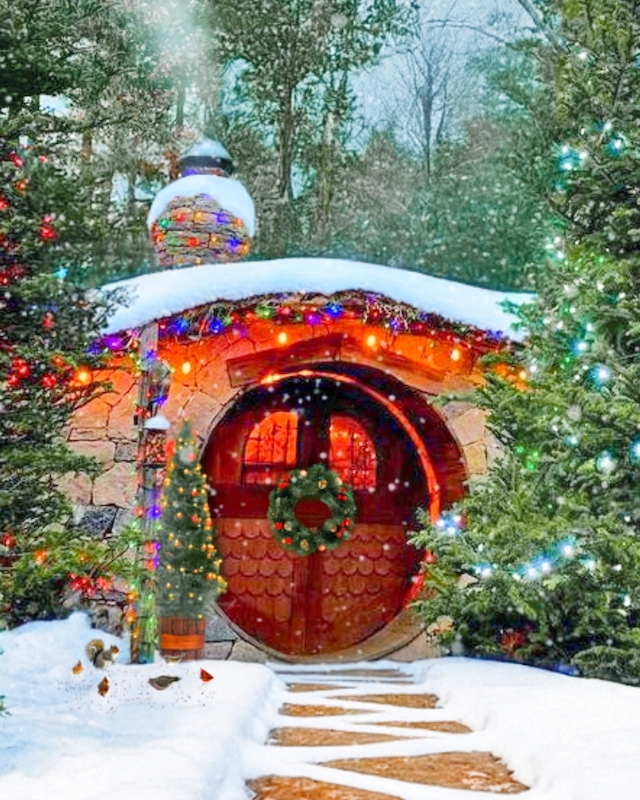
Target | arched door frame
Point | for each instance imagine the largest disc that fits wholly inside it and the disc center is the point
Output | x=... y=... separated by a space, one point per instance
x=394 y=411
x=409 y=409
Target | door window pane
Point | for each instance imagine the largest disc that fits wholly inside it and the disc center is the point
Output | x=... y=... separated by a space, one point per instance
x=270 y=451
x=353 y=453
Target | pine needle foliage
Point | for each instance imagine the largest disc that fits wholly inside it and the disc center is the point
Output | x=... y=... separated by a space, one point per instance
x=46 y=374
x=541 y=562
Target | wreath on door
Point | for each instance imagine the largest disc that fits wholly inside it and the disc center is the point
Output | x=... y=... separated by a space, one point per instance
x=317 y=483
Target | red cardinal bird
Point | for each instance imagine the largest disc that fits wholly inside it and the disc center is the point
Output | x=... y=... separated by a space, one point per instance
x=205 y=676
x=103 y=686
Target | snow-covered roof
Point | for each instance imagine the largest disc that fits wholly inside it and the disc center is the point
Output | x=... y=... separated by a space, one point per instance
x=163 y=294
x=230 y=193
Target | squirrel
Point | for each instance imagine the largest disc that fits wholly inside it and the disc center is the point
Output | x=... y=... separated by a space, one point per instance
x=100 y=657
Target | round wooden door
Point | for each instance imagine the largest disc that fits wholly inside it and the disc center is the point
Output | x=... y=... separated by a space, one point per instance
x=325 y=602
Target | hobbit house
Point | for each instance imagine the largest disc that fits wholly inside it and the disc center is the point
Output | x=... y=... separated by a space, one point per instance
x=280 y=365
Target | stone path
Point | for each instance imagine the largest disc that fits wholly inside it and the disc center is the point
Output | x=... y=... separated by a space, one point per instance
x=398 y=743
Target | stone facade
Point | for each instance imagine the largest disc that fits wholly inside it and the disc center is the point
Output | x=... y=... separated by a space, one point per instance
x=203 y=387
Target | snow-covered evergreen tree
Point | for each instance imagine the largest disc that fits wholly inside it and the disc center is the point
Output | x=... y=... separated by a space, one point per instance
x=46 y=373
x=551 y=538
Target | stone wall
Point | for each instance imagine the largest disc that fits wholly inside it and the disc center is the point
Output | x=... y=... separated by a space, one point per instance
x=202 y=389
x=468 y=426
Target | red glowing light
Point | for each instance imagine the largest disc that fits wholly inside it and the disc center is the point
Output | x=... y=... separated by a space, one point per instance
x=48 y=232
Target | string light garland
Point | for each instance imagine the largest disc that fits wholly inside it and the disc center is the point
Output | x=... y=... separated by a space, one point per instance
x=223 y=317
x=451 y=524
x=197 y=230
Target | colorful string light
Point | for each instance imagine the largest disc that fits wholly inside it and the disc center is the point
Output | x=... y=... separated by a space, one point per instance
x=306 y=309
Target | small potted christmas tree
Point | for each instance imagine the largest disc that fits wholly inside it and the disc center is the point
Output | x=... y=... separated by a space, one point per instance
x=188 y=579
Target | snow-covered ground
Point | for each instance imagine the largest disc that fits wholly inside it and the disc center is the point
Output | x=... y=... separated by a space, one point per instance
x=567 y=738
x=63 y=741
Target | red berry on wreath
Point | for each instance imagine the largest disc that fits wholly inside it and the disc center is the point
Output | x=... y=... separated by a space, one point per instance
x=430 y=557
x=347 y=522
x=339 y=535
x=287 y=540
x=278 y=526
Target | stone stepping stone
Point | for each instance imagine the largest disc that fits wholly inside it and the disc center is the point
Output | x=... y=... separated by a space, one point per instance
x=387 y=678
x=276 y=787
x=480 y=772
x=313 y=687
x=291 y=710
x=406 y=700
x=323 y=737
x=368 y=673
x=443 y=727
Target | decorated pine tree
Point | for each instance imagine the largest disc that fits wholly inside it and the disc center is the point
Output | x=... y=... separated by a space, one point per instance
x=542 y=561
x=46 y=373
x=188 y=578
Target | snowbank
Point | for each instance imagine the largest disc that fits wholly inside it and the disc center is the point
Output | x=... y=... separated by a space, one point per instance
x=567 y=738
x=161 y=294
x=63 y=740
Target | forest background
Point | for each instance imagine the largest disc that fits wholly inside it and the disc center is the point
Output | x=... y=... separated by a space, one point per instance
x=383 y=130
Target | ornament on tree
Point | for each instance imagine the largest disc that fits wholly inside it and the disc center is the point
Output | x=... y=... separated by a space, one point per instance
x=512 y=640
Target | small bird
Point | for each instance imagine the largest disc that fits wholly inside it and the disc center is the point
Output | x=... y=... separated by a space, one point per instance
x=78 y=668
x=162 y=681
x=205 y=676
x=103 y=687
x=173 y=659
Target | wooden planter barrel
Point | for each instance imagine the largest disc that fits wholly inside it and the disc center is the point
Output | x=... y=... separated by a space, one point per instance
x=182 y=636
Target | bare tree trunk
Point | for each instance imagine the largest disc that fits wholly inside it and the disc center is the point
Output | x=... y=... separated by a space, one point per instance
x=426 y=107
x=439 y=137
x=87 y=145
x=286 y=136
x=180 y=103
x=286 y=149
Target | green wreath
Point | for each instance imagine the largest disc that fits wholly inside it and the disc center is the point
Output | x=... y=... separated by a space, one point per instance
x=318 y=483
